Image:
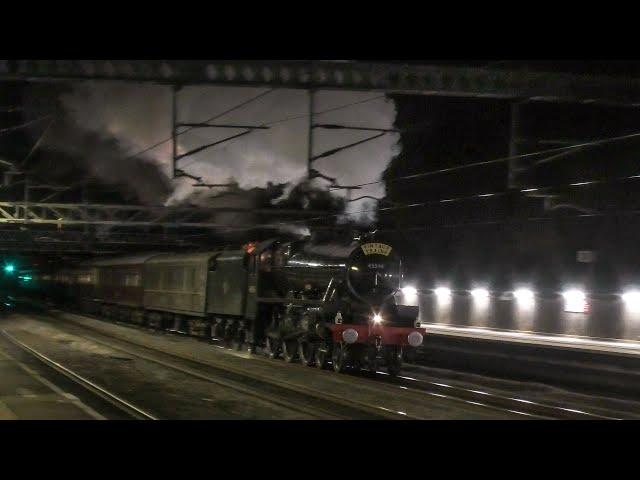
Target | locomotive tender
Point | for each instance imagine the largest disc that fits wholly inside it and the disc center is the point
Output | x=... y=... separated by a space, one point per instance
x=313 y=302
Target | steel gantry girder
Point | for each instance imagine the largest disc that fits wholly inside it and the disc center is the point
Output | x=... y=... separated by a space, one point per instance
x=345 y=75
x=101 y=228
x=59 y=241
x=61 y=214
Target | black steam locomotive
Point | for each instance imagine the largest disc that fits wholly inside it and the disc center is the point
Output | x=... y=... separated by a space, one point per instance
x=300 y=300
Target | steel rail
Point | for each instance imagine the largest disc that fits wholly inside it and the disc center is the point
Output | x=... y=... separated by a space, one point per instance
x=509 y=403
x=327 y=402
x=520 y=406
x=458 y=398
x=511 y=408
x=112 y=398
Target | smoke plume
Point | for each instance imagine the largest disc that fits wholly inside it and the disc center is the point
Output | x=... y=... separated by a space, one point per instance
x=112 y=121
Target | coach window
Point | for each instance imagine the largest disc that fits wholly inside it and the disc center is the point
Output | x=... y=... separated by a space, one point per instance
x=181 y=274
x=188 y=278
x=179 y=278
x=173 y=278
x=162 y=279
x=132 y=280
x=154 y=278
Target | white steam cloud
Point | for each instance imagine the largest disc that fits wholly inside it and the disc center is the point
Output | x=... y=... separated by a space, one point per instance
x=140 y=115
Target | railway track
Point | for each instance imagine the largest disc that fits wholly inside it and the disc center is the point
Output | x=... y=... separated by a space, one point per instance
x=129 y=409
x=308 y=401
x=480 y=397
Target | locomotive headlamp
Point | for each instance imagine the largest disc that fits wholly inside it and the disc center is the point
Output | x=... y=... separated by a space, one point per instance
x=350 y=335
x=377 y=318
x=415 y=339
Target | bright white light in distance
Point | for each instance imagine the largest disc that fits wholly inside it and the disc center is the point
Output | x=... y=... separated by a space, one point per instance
x=632 y=300
x=524 y=297
x=574 y=301
x=480 y=293
x=409 y=291
x=442 y=293
x=443 y=296
x=377 y=318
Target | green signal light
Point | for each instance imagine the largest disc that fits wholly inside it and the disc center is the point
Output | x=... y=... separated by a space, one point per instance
x=9 y=268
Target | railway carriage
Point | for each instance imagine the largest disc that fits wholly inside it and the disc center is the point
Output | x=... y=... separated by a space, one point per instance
x=117 y=287
x=198 y=292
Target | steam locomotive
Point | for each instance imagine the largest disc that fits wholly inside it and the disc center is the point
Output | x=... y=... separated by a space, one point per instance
x=318 y=303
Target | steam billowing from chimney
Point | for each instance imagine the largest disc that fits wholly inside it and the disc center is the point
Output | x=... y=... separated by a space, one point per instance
x=75 y=151
x=112 y=121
